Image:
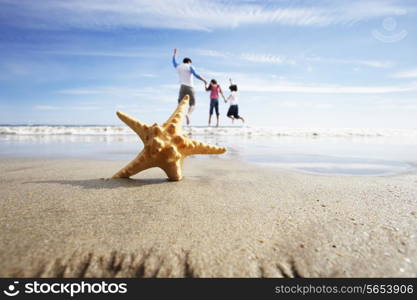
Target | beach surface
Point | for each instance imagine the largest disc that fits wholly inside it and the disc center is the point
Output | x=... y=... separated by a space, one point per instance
x=62 y=218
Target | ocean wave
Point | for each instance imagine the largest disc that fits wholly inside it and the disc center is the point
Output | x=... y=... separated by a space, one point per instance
x=303 y=132
x=212 y=131
x=64 y=130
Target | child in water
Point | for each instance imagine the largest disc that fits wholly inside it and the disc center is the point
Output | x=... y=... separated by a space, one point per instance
x=233 y=112
x=214 y=89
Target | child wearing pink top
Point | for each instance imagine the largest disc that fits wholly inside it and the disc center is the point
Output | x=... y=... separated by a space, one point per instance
x=214 y=90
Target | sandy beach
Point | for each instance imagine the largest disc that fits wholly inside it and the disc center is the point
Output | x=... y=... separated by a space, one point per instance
x=59 y=217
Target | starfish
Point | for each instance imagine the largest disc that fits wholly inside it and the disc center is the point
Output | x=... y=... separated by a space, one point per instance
x=164 y=146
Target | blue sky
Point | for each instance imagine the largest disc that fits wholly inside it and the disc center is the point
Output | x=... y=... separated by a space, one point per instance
x=297 y=63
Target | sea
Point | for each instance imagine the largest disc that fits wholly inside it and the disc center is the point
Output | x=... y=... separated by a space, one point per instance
x=322 y=151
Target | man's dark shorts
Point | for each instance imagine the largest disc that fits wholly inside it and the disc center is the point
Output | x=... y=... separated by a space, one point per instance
x=186 y=90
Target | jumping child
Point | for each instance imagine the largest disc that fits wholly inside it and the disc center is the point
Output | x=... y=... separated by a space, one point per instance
x=214 y=89
x=233 y=112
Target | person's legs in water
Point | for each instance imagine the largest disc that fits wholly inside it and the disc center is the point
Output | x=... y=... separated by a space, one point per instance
x=211 y=111
x=216 y=107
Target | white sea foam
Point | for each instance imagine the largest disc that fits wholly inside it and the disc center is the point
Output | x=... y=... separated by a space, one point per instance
x=64 y=130
x=212 y=131
x=303 y=132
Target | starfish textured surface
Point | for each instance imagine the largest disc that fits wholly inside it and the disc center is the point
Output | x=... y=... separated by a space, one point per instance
x=164 y=146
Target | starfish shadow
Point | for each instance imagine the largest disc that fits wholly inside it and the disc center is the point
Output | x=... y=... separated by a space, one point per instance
x=102 y=183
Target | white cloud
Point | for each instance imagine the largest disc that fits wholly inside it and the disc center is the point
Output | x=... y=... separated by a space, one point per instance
x=303 y=104
x=161 y=93
x=266 y=58
x=212 y=53
x=269 y=83
x=402 y=107
x=46 y=107
x=148 y=75
x=84 y=107
x=358 y=62
x=282 y=59
x=81 y=91
x=406 y=74
x=390 y=103
x=108 y=90
x=51 y=107
x=327 y=88
x=140 y=53
x=251 y=57
x=190 y=14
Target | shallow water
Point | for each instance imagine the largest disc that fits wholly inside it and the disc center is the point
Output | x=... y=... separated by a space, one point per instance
x=321 y=155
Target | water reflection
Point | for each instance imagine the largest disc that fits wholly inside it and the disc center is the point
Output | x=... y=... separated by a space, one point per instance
x=350 y=156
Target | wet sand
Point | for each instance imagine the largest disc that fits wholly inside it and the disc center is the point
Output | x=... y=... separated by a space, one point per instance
x=58 y=218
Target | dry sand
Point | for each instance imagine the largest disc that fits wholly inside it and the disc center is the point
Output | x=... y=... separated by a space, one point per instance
x=225 y=219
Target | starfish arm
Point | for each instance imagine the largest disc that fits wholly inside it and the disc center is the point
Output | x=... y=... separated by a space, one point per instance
x=140 y=163
x=137 y=126
x=173 y=170
x=201 y=148
x=178 y=115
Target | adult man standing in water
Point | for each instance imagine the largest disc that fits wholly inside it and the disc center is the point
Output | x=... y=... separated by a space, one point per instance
x=186 y=72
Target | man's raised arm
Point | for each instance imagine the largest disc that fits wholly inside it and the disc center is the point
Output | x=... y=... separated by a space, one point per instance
x=174 y=62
